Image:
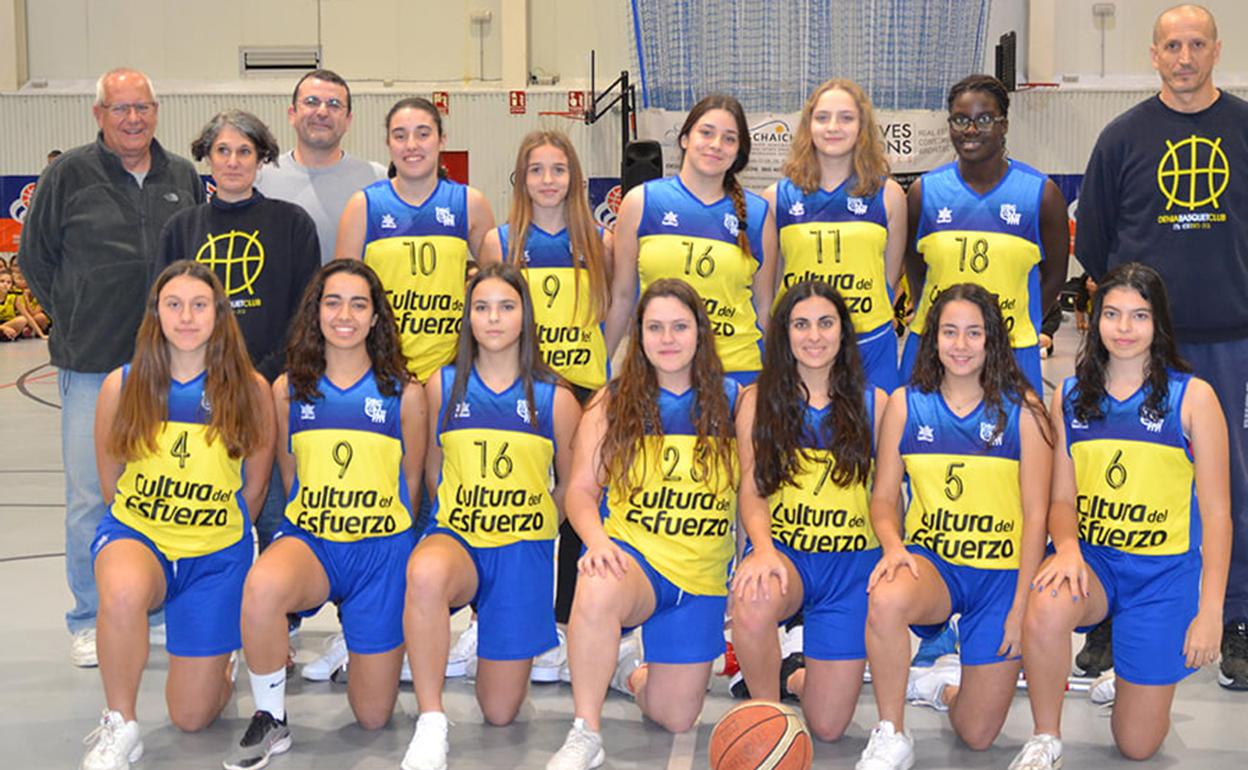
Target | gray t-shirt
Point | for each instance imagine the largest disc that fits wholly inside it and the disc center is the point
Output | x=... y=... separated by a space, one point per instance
x=322 y=192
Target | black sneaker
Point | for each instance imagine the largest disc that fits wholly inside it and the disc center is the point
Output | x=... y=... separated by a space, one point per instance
x=788 y=667
x=1097 y=655
x=1233 y=673
x=265 y=737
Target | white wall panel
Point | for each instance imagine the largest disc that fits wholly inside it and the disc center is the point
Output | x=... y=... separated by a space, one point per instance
x=479 y=122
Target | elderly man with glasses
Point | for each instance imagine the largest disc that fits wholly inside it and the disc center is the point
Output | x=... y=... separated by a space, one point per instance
x=91 y=234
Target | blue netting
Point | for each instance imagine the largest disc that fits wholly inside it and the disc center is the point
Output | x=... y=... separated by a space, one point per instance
x=770 y=54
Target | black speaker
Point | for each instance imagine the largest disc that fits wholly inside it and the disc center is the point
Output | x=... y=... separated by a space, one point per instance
x=1007 y=61
x=643 y=161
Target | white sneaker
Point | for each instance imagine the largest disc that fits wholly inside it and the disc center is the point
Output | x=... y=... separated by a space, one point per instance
x=1103 y=689
x=628 y=661
x=546 y=666
x=887 y=750
x=1040 y=752
x=463 y=652
x=82 y=649
x=792 y=641
x=581 y=750
x=334 y=658
x=927 y=685
x=114 y=744
x=429 y=745
x=405 y=673
x=157 y=635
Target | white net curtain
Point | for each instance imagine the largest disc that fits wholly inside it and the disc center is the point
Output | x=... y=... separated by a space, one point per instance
x=771 y=53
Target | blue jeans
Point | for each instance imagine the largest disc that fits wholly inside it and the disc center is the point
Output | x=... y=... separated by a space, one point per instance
x=1224 y=365
x=84 y=502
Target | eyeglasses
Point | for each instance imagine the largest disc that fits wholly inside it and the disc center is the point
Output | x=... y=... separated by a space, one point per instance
x=122 y=110
x=983 y=121
x=314 y=103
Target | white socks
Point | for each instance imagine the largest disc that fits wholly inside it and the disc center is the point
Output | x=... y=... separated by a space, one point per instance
x=269 y=691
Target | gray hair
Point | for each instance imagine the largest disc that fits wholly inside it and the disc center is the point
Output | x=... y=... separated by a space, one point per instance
x=244 y=123
x=99 y=84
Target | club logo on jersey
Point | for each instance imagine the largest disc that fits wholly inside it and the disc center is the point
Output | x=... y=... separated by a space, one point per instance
x=670 y=219
x=388 y=223
x=944 y=216
x=1152 y=426
x=463 y=410
x=205 y=404
x=986 y=431
x=236 y=257
x=444 y=216
x=522 y=410
x=374 y=410
x=307 y=412
x=731 y=224
x=797 y=209
x=1193 y=172
x=1010 y=214
x=856 y=206
x=926 y=433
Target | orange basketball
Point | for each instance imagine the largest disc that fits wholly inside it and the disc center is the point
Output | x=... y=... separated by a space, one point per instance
x=761 y=736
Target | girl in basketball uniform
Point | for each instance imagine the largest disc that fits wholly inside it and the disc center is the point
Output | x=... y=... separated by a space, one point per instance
x=184 y=442
x=702 y=227
x=973 y=442
x=653 y=496
x=987 y=219
x=806 y=460
x=500 y=424
x=550 y=233
x=1140 y=521
x=841 y=219
x=418 y=231
x=351 y=442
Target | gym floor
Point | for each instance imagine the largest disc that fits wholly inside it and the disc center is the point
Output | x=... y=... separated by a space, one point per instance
x=48 y=706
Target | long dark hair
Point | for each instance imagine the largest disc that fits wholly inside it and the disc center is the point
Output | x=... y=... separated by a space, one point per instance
x=532 y=367
x=424 y=105
x=633 y=409
x=1000 y=378
x=780 y=413
x=1163 y=353
x=229 y=380
x=305 y=350
x=732 y=186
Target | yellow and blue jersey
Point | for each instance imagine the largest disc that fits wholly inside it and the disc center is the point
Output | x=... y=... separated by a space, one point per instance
x=1135 y=475
x=420 y=253
x=571 y=339
x=965 y=500
x=681 y=517
x=681 y=237
x=837 y=238
x=992 y=240
x=498 y=454
x=813 y=514
x=8 y=306
x=187 y=496
x=349 y=483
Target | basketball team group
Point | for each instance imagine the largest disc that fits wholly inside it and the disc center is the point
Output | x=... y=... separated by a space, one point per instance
x=614 y=447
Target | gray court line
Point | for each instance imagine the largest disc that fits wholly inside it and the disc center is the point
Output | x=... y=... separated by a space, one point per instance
x=683 y=745
x=29 y=557
x=25 y=391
